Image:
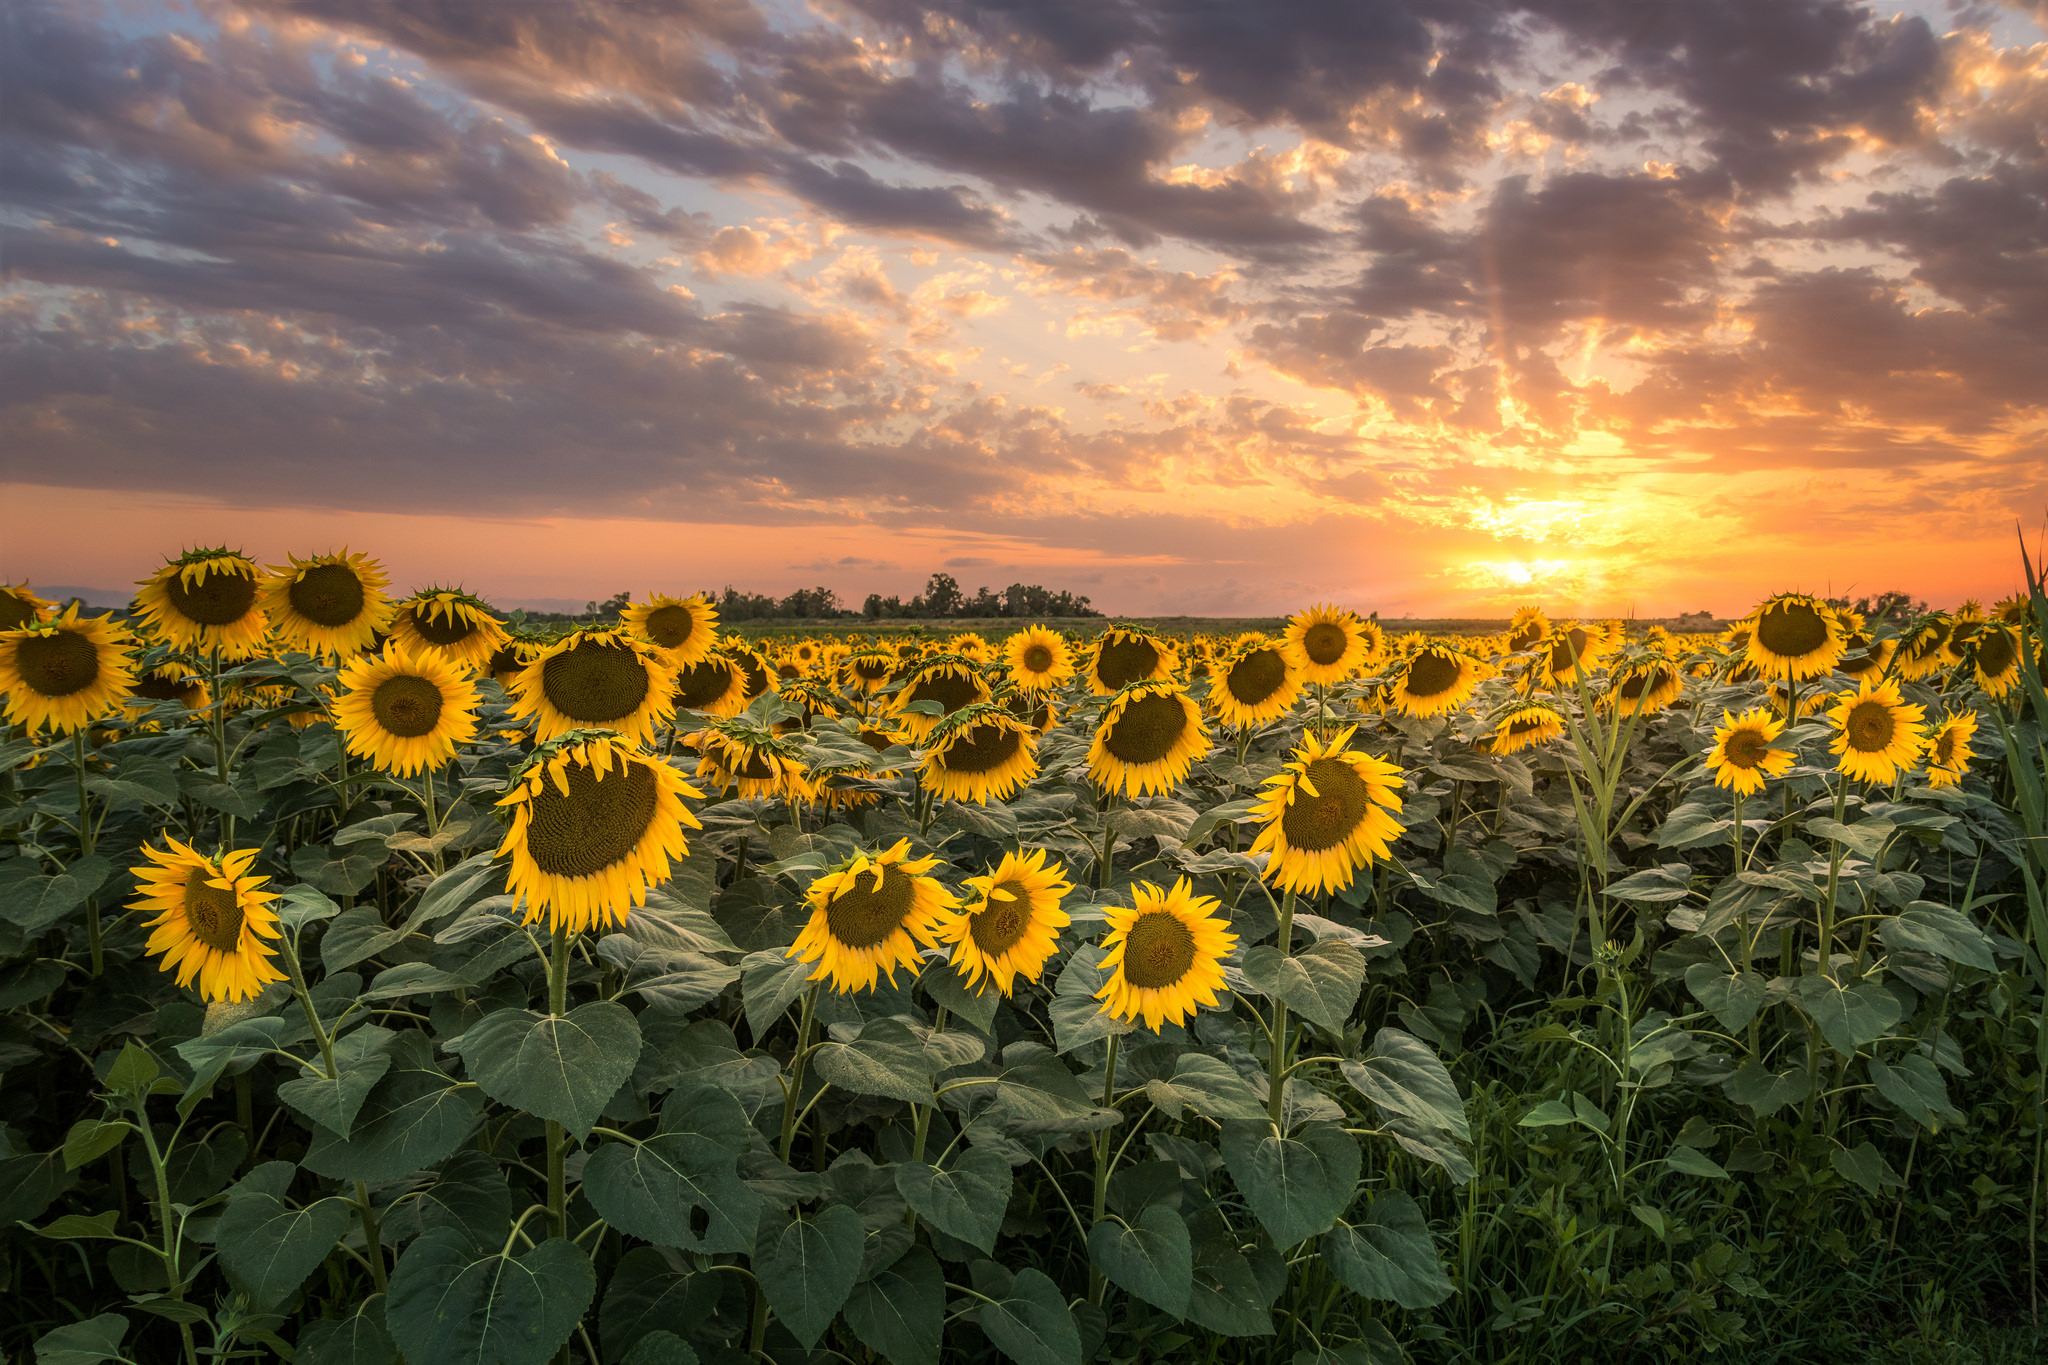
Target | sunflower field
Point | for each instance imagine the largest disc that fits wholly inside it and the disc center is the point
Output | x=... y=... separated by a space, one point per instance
x=380 y=982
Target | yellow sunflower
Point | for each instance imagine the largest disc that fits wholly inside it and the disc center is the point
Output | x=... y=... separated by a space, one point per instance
x=405 y=713
x=1524 y=728
x=211 y=921
x=1124 y=654
x=1255 y=684
x=969 y=645
x=713 y=685
x=1948 y=749
x=1797 y=634
x=510 y=659
x=1436 y=681
x=1149 y=737
x=1927 y=648
x=593 y=827
x=2015 y=610
x=735 y=753
x=979 y=752
x=1645 y=686
x=871 y=915
x=1742 y=756
x=1527 y=629
x=684 y=629
x=1326 y=814
x=1013 y=929
x=330 y=606
x=1164 y=955
x=170 y=681
x=1863 y=656
x=1569 y=643
x=206 y=600
x=950 y=681
x=1995 y=659
x=1329 y=644
x=450 y=623
x=20 y=607
x=65 y=673
x=1038 y=659
x=596 y=678
x=1034 y=709
x=868 y=670
x=814 y=697
x=1877 y=732
x=757 y=674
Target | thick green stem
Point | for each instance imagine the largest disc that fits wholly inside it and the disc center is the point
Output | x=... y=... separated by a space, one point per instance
x=1276 y=1059
x=1105 y=864
x=166 y=1223
x=85 y=845
x=373 y=1236
x=807 y=1017
x=1098 y=1287
x=1824 y=951
x=290 y=945
x=558 y=1002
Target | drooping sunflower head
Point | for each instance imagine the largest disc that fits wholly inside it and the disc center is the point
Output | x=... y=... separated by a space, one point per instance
x=1436 y=680
x=763 y=766
x=212 y=918
x=969 y=645
x=594 y=825
x=1743 y=754
x=20 y=607
x=206 y=600
x=1164 y=955
x=170 y=681
x=2015 y=610
x=449 y=623
x=1927 y=648
x=1255 y=683
x=713 y=685
x=602 y=678
x=1794 y=633
x=1994 y=653
x=812 y=697
x=1877 y=732
x=757 y=671
x=1527 y=628
x=683 y=629
x=1035 y=709
x=1571 y=652
x=1525 y=727
x=64 y=673
x=947 y=679
x=1329 y=643
x=330 y=606
x=1011 y=928
x=867 y=670
x=871 y=915
x=1645 y=686
x=1329 y=812
x=1038 y=659
x=1125 y=654
x=1948 y=749
x=1864 y=656
x=510 y=659
x=406 y=713
x=978 y=753
x=1148 y=739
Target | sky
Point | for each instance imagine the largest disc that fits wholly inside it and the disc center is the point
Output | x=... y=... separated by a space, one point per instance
x=1428 y=307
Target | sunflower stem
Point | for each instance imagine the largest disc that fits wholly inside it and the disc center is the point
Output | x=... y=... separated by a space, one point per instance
x=1276 y=1052
x=1105 y=866
x=290 y=944
x=433 y=820
x=373 y=1236
x=217 y=724
x=85 y=844
x=558 y=1002
x=1825 y=952
x=1098 y=1287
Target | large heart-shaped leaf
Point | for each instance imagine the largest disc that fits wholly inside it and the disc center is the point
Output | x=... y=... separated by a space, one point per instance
x=449 y=1306
x=1296 y=1185
x=886 y=1059
x=900 y=1313
x=361 y=1058
x=562 y=1067
x=1733 y=999
x=1851 y=1016
x=1388 y=1254
x=965 y=1200
x=268 y=1249
x=1030 y=1322
x=681 y=1187
x=1403 y=1076
x=1320 y=982
x=807 y=1265
x=1153 y=1259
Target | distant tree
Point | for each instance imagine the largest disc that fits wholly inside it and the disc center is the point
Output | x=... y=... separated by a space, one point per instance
x=942 y=596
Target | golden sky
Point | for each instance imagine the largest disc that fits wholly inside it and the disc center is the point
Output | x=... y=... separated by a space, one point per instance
x=1428 y=308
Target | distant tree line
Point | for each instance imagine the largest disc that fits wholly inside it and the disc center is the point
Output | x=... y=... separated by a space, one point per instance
x=942 y=597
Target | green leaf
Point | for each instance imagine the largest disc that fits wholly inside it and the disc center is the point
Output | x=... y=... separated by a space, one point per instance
x=650 y=1292
x=1402 y=1075
x=947 y=988
x=1670 y=882
x=1031 y=1323
x=83 y=1343
x=354 y=936
x=1692 y=1161
x=415 y=1117
x=361 y=1058
x=1866 y=1166
x=1850 y=1017
x=268 y=1249
x=446 y=1304
x=139 y=782
x=358 y=1339
x=1548 y=1114
x=1077 y=1017
x=1320 y=982
x=134 y=1071
x=1154 y=1260
x=661 y=1348
x=966 y=1200
x=1389 y=1254
x=1035 y=1093
x=681 y=1187
x=1733 y=1000
x=1865 y=838
x=74 y=1227
x=1209 y=1086
x=806 y=1265
x=886 y=1059
x=36 y=903
x=563 y=1068
x=900 y=1314
x=1763 y=1092
x=1941 y=930
x=91 y=1139
x=769 y=985
x=1296 y=1185
x=1915 y=1085
x=330 y=870
x=1226 y=1297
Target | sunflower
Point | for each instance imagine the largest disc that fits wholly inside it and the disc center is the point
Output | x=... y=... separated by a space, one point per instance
x=979 y=752
x=596 y=678
x=684 y=629
x=1926 y=648
x=1149 y=736
x=510 y=659
x=969 y=645
x=1811 y=703
x=64 y=673
x=1256 y=683
x=330 y=606
x=1038 y=659
x=1877 y=732
x=807 y=654
x=736 y=753
x=712 y=685
x=1327 y=814
x=757 y=672
x=950 y=681
x=593 y=827
x=1034 y=709
x=1125 y=654
x=167 y=682
x=1013 y=930
x=1329 y=644
x=867 y=670
x=1524 y=728
x=1995 y=659
x=211 y=920
x=1948 y=749
x=1437 y=680
x=206 y=600
x=2015 y=610
x=19 y=607
x=1527 y=629
x=813 y=698
x=450 y=623
x=1863 y=656
x=1794 y=633
x=405 y=713
x=1645 y=686
x=1570 y=647
x=870 y=915
x=1742 y=756
x=1164 y=956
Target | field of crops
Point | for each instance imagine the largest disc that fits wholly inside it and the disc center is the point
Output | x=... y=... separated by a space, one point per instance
x=380 y=983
